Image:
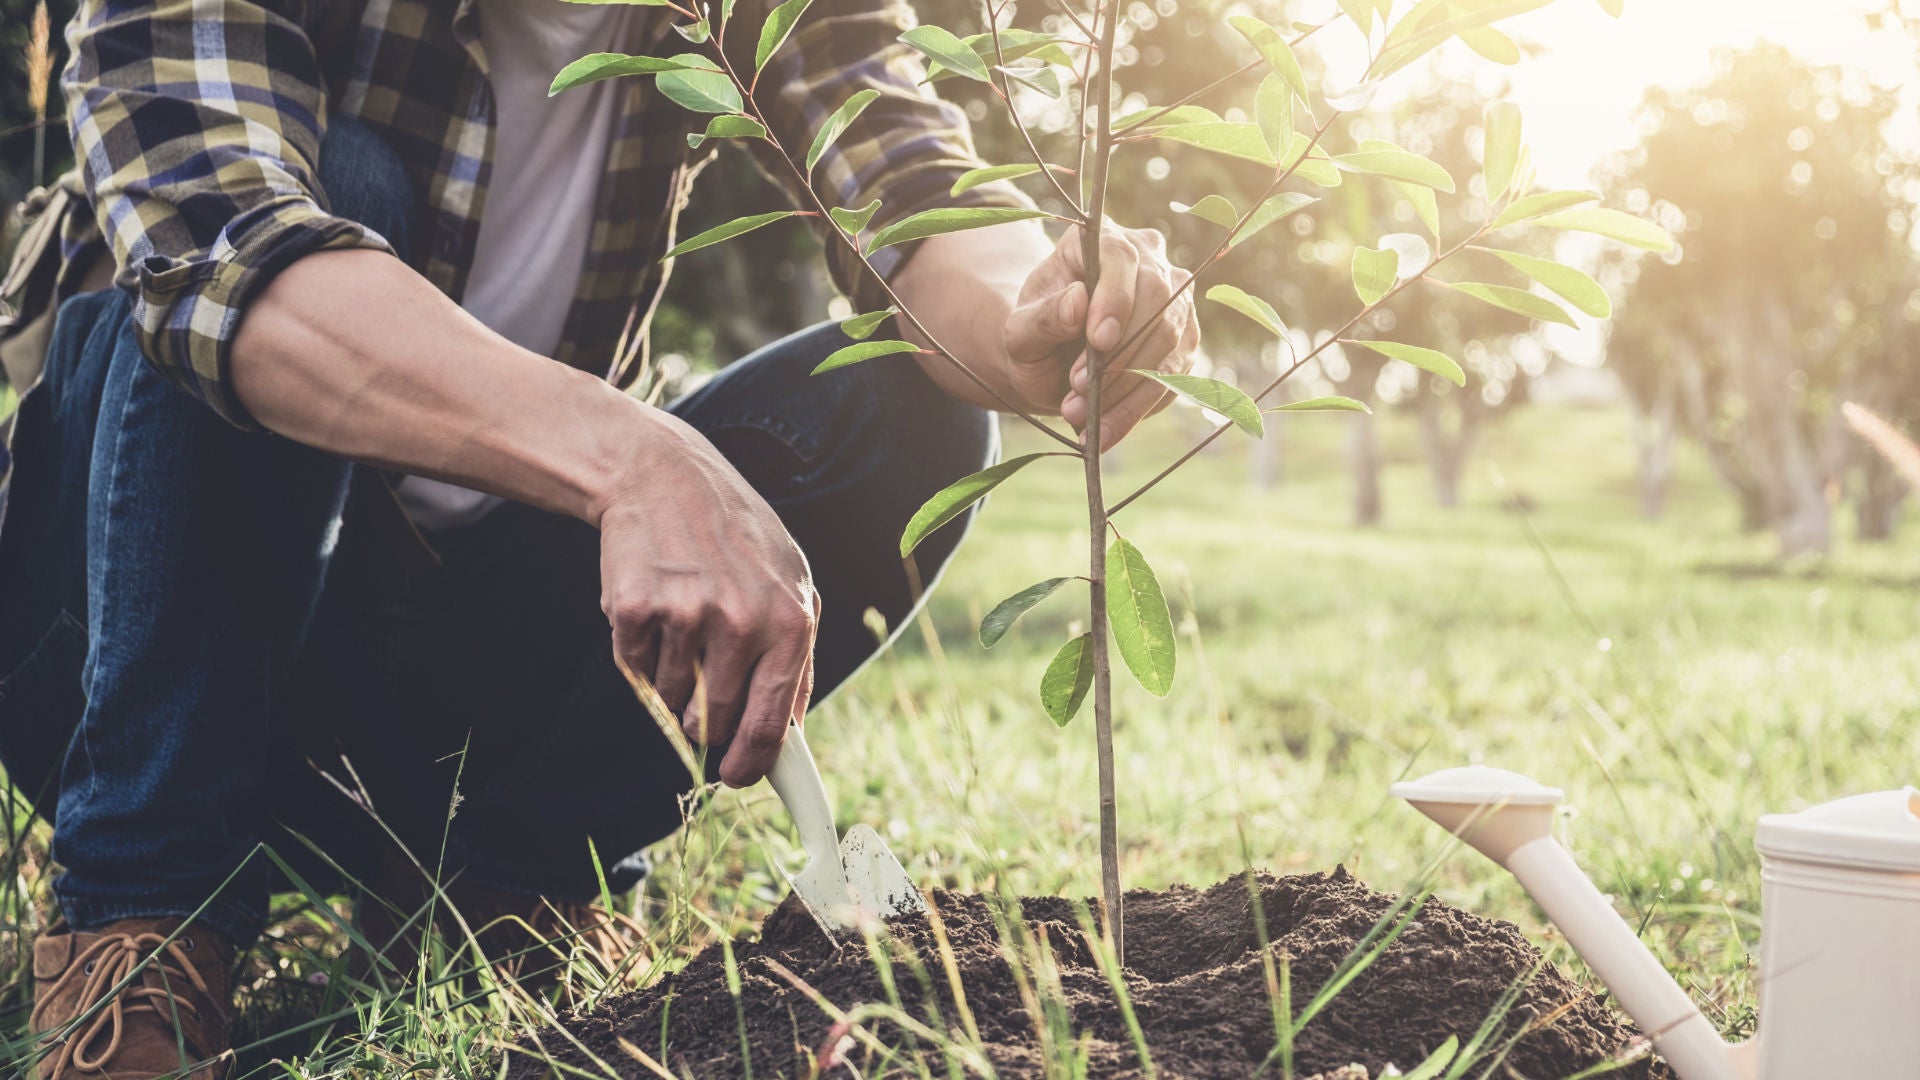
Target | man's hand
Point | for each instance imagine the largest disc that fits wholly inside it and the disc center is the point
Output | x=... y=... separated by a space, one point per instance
x=1047 y=333
x=1014 y=307
x=702 y=584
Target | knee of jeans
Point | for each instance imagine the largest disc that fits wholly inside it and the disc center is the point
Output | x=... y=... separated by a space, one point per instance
x=365 y=181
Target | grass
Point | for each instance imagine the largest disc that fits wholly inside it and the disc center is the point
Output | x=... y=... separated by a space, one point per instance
x=1669 y=675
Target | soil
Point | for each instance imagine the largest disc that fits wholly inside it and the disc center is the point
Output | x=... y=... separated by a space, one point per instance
x=1194 y=975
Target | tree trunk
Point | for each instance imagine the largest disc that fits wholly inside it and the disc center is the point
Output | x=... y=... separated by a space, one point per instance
x=1446 y=450
x=1269 y=464
x=1803 y=521
x=1653 y=432
x=1363 y=455
x=1876 y=507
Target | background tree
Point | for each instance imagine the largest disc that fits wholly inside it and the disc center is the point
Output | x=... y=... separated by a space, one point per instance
x=1795 y=291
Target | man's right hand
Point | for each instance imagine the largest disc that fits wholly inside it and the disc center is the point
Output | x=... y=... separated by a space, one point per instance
x=703 y=586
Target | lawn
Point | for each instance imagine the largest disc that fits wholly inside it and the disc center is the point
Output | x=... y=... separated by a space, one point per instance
x=1668 y=675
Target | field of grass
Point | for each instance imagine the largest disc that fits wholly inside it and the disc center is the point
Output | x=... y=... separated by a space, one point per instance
x=1668 y=675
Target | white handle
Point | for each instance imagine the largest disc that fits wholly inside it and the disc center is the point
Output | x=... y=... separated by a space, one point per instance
x=796 y=780
x=1615 y=953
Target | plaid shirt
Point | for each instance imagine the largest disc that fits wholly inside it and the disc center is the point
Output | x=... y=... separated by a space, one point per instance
x=197 y=124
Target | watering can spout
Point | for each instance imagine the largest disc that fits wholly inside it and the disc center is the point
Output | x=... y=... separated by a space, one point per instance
x=1509 y=818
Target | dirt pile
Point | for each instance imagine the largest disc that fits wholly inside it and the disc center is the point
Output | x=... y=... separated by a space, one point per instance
x=1194 y=975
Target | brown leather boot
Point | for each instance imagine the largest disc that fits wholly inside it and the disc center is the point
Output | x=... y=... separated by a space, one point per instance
x=170 y=1017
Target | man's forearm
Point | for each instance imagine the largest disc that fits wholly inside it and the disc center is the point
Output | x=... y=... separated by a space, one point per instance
x=354 y=353
x=963 y=286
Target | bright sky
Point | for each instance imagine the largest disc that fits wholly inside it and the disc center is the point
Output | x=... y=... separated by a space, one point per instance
x=1578 y=93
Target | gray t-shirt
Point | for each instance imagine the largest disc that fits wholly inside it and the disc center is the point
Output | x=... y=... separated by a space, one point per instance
x=548 y=155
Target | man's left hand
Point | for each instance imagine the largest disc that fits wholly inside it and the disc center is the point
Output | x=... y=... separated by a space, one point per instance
x=1054 y=321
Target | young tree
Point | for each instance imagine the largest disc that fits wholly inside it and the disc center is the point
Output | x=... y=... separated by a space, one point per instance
x=1284 y=134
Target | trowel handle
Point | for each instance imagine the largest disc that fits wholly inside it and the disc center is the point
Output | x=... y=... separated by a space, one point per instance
x=796 y=780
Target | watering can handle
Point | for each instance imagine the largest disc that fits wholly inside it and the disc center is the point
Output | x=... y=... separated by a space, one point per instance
x=796 y=780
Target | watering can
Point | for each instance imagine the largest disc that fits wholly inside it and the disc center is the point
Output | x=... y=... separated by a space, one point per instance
x=1839 y=974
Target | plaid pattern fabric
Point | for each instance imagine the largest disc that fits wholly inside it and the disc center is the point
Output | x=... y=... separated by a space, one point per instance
x=197 y=124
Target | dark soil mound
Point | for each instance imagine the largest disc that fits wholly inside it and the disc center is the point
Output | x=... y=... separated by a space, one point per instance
x=1194 y=975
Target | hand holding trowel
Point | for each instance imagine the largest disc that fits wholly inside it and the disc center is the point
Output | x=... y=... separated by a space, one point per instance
x=844 y=879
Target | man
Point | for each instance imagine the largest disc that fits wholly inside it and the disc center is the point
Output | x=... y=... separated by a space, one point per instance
x=339 y=492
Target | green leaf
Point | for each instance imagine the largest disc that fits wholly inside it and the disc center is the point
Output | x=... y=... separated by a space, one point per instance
x=1274 y=48
x=1374 y=272
x=1273 y=111
x=1006 y=612
x=1163 y=118
x=1432 y=360
x=696 y=32
x=1066 y=681
x=728 y=231
x=698 y=87
x=1575 y=286
x=1285 y=204
x=942 y=47
x=1613 y=225
x=774 y=32
x=854 y=220
x=1214 y=208
x=1224 y=398
x=861 y=327
x=1539 y=204
x=1014 y=44
x=731 y=126
x=1137 y=610
x=1399 y=165
x=837 y=124
x=1492 y=44
x=1613 y=7
x=948 y=219
x=1315 y=167
x=1502 y=151
x=1518 y=301
x=1432 y=22
x=1361 y=12
x=1039 y=77
x=1323 y=404
x=865 y=350
x=1233 y=138
x=608 y=65
x=973 y=178
x=1251 y=306
x=1426 y=206
x=951 y=501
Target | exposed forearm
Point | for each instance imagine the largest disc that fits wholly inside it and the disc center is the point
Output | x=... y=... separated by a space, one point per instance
x=354 y=353
x=963 y=287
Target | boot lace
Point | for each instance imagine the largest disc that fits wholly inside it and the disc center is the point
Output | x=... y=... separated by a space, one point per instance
x=102 y=966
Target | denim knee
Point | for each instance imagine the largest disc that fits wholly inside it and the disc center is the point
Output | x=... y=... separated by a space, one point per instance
x=364 y=181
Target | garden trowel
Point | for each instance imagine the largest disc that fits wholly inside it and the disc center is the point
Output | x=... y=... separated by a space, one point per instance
x=845 y=880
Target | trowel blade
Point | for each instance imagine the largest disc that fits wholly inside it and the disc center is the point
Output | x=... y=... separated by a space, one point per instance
x=878 y=882
x=824 y=891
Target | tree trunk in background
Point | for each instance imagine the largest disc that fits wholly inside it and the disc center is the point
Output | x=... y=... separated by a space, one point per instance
x=1269 y=460
x=1363 y=455
x=1653 y=431
x=1802 y=517
x=1876 y=506
x=1446 y=450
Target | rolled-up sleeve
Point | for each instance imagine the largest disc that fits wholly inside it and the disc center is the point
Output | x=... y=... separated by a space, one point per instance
x=197 y=125
x=906 y=149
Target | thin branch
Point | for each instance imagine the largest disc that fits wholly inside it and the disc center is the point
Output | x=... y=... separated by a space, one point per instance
x=1223 y=80
x=1298 y=364
x=1005 y=89
x=852 y=242
x=1226 y=243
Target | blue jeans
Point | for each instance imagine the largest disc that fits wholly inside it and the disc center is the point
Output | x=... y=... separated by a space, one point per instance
x=196 y=621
